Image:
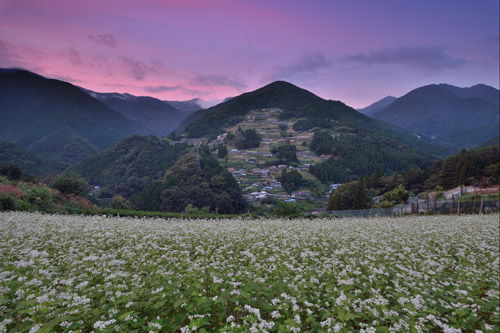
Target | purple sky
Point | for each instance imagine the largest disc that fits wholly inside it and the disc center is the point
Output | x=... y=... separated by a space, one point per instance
x=349 y=50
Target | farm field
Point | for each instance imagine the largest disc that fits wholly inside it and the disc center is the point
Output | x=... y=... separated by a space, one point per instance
x=75 y=273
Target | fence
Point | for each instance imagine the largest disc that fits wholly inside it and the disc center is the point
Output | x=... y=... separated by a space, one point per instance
x=415 y=206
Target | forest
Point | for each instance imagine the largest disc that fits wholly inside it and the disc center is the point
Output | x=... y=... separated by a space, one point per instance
x=195 y=179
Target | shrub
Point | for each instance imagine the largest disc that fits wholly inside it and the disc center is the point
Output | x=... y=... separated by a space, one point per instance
x=70 y=183
x=8 y=202
x=11 y=190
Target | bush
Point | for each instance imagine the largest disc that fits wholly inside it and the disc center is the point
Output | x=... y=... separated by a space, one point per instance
x=288 y=209
x=8 y=202
x=397 y=195
x=70 y=183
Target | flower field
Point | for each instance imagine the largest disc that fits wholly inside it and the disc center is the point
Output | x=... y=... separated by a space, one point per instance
x=421 y=274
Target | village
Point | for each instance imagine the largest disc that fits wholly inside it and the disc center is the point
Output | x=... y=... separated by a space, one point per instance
x=252 y=168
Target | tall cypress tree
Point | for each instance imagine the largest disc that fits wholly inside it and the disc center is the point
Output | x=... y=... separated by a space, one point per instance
x=360 y=195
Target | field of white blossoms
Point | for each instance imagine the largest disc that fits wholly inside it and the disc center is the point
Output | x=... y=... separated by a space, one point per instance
x=74 y=273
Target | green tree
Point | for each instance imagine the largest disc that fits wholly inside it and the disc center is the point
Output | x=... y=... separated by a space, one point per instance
x=360 y=198
x=286 y=153
x=396 y=196
x=11 y=171
x=374 y=182
x=70 y=183
x=222 y=151
x=287 y=209
x=248 y=139
x=290 y=180
x=342 y=198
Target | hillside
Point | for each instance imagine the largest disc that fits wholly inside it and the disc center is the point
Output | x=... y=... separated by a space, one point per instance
x=447 y=114
x=377 y=106
x=30 y=163
x=129 y=166
x=56 y=119
x=206 y=185
x=159 y=117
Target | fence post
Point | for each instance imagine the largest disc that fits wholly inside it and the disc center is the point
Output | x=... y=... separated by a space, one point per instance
x=435 y=199
x=475 y=198
x=482 y=205
x=458 y=207
x=452 y=203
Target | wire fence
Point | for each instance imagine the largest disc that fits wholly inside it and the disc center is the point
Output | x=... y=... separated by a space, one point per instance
x=419 y=206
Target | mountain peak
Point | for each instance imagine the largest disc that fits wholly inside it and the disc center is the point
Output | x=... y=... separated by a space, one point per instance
x=378 y=106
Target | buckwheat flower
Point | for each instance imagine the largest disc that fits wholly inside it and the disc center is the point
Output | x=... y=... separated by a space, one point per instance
x=185 y=329
x=82 y=285
x=35 y=328
x=275 y=314
x=230 y=319
x=65 y=324
x=341 y=298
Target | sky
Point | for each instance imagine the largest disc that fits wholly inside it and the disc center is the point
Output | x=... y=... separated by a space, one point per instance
x=355 y=51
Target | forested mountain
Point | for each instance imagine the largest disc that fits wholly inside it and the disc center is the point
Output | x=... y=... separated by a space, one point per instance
x=56 y=119
x=294 y=101
x=159 y=117
x=207 y=185
x=462 y=117
x=361 y=155
x=475 y=166
x=480 y=91
x=130 y=165
x=377 y=106
x=30 y=163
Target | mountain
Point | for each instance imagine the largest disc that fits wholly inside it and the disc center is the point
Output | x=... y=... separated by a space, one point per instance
x=56 y=119
x=300 y=104
x=159 y=117
x=377 y=106
x=10 y=153
x=187 y=107
x=130 y=165
x=481 y=91
x=463 y=117
x=294 y=101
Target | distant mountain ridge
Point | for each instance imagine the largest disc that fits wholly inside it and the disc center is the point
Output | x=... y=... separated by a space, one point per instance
x=187 y=107
x=56 y=119
x=377 y=106
x=464 y=117
x=159 y=117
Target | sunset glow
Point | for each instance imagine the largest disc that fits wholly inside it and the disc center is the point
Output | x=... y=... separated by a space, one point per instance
x=354 y=51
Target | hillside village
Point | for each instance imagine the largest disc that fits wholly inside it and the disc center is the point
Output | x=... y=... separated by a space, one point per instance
x=252 y=168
